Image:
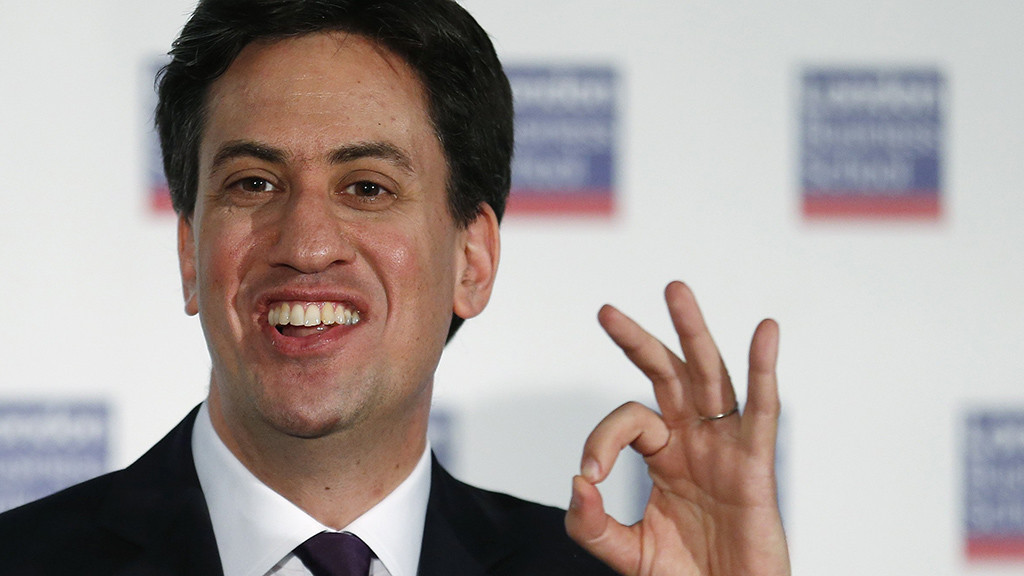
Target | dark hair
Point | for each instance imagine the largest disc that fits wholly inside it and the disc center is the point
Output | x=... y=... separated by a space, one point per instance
x=469 y=98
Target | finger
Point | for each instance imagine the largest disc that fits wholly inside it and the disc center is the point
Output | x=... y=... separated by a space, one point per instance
x=631 y=424
x=591 y=527
x=586 y=521
x=761 y=415
x=657 y=362
x=709 y=386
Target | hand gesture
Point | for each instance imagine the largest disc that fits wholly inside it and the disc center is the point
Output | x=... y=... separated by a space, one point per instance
x=713 y=508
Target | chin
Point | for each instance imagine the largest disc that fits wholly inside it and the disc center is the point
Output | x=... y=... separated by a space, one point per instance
x=310 y=420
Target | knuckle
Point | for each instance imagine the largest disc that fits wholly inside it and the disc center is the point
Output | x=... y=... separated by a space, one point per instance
x=632 y=410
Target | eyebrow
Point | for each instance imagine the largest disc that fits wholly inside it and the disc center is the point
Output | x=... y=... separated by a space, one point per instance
x=381 y=150
x=249 y=149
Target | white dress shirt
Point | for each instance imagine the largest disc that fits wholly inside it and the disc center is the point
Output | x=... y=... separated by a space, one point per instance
x=257 y=529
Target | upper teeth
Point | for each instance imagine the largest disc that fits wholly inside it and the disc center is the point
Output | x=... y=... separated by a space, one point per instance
x=311 y=314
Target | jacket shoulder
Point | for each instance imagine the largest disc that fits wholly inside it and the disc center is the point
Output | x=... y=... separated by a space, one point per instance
x=61 y=533
x=504 y=534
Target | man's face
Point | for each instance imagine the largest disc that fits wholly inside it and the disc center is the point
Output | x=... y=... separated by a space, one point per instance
x=322 y=192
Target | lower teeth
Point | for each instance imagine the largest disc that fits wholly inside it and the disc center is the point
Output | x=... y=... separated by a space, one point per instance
x=319 y=328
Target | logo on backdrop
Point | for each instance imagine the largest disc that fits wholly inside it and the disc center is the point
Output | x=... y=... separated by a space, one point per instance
x=48 y=446
x=871 y=143
x=565 y=139
x=994 y=485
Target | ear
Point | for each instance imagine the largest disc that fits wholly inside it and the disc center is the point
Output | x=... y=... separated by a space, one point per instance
x=187 y=264
x=477 y=263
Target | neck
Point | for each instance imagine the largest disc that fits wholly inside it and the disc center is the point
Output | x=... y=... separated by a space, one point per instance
x=334 y=477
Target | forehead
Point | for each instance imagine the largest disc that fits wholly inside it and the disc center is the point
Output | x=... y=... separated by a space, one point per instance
x=309 y=92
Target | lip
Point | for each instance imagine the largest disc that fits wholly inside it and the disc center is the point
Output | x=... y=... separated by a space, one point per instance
x=314 y=344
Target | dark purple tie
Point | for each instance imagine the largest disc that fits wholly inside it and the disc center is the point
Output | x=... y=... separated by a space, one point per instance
x=335 y=554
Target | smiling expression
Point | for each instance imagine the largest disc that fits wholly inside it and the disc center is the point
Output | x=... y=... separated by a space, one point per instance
x=321 y=256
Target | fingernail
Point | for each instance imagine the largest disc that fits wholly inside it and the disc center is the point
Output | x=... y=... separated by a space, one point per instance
x=590 y=470
x=574 y=502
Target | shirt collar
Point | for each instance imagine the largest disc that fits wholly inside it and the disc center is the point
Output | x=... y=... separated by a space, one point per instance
x=256 y=527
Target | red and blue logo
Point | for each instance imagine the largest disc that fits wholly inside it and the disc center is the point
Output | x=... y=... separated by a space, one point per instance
x=994 y=485
x=871 y=143
x=565 y=130
x=48 y=446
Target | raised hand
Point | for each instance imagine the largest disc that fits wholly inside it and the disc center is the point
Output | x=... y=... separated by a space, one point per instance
x=713 y=508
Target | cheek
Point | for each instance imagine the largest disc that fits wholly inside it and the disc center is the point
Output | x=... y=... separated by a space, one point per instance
x=415 y=265
x=417 y=270
x=221 y=266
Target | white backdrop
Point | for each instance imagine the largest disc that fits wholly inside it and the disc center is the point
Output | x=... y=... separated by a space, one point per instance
x=891 y=330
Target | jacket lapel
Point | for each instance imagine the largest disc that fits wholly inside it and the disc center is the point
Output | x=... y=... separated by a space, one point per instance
x=158 y=505
x=458 y=535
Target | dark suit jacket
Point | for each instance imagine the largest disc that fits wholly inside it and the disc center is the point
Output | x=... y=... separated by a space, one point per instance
x=151 y=519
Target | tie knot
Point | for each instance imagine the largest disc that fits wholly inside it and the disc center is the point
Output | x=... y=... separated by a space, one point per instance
x=335 y=554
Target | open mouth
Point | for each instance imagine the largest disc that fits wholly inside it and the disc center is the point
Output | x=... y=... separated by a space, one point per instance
x=299 y=319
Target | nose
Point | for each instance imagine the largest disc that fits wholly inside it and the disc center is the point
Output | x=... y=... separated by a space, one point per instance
x=311 y=236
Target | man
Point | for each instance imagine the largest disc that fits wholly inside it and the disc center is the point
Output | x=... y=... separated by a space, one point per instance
x=339 y=168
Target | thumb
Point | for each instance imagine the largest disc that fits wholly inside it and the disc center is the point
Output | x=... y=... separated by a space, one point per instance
x=598 y=533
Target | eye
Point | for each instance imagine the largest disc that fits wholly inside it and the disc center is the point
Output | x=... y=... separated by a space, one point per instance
x=366 y=189
x=367 y=195
x=254 y=185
